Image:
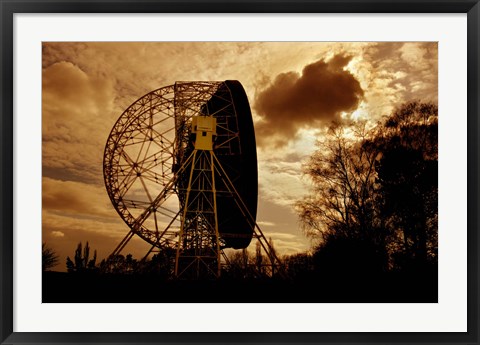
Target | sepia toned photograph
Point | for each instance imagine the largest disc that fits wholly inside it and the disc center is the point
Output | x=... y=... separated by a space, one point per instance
x=239 y=172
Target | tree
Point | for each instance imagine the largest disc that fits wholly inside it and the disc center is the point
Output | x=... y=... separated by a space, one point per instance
x=162 y=264
x=273 y=255
x=259 y=259
x=239 y=264
x=373 y=204
x=115 y=264
x=82 y=262
x=407 y=173
x=298 y=266
x=49 y=257
x=342 y=210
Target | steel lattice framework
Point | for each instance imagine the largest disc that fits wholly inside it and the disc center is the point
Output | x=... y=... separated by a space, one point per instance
x=174 y=195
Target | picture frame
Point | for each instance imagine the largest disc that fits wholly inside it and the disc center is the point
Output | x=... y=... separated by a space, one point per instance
x=7 y=173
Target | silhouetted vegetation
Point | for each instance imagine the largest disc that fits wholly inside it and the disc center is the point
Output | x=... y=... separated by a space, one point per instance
x=49 y=257
x=243 y=265
x=82 y=262
x=373 y=208
x=298 y=266
x=119 y=264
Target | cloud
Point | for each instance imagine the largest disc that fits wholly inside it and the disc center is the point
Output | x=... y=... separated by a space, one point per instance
x=266 y=223
x=76 y=119
x=317 y=97
x=279 y=235
x=57 y=234
x=392 y=73
x=281 y=182
x=76 y=199
x=286 y=243
x=281 y=177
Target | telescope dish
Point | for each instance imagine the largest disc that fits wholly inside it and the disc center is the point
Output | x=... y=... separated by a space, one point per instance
x=180 y=168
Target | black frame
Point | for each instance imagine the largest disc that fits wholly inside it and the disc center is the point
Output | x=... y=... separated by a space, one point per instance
x=9 y=7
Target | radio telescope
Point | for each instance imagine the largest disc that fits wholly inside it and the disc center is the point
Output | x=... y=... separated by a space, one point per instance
x=180 y=168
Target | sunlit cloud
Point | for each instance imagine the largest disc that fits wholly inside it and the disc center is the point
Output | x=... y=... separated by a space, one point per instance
x=76 y=118
x=313 y=98
x=76 y=198
x=265 y=223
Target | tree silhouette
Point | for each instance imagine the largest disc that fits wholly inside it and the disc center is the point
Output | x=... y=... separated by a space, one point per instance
x=273 y=255
x=342 y=211
x=115 y=264
x=82 y=262
x=49 y=257
x=238 y=264
x=298 y=266
x=162 y=264
x=373 y=206
x=242 y=264
x=259 y=259
x=408 y=178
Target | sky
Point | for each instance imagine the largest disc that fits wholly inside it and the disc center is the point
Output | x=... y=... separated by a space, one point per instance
x=295 y=90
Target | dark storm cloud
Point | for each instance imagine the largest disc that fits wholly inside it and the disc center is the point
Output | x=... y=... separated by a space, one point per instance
x=316 y=97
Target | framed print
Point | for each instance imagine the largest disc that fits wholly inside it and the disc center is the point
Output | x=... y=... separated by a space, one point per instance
x=246 y=172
